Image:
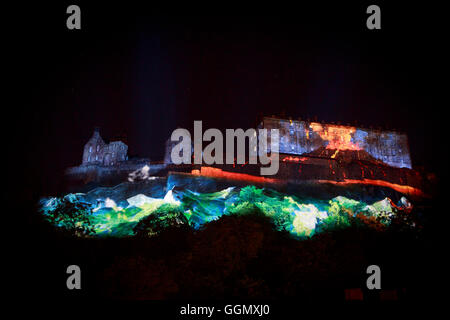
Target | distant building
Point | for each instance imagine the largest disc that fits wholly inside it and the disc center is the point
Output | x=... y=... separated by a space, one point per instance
x=96 y=151
x=107 y=163
x=332 y=141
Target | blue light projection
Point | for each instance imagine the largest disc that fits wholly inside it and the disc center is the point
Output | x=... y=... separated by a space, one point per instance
x=312 y=138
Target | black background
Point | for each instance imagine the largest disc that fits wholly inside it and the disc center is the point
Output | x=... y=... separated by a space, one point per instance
x=142 y=70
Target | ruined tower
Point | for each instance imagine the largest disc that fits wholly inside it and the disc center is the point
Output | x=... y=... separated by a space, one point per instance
x=96 y=151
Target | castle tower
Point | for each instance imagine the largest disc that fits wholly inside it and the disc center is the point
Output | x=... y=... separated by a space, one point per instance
x=93 y=149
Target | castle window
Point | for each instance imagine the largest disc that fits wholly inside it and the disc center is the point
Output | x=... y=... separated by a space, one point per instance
x=98 y=147
x=89 y=158
x=90 y=149
x=96 y=157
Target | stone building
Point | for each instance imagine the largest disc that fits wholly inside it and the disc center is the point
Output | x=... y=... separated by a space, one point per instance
x=96 y=151
x=332 y=141
x=298 y=137
x=309 y=152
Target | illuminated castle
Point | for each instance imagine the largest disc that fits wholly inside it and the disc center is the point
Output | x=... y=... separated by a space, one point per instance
x=309 y=152
x=96 y=151
x=298 y=137
x=104 y=162
x=317 y=153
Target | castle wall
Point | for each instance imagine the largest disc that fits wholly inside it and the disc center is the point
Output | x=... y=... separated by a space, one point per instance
x=110 y=175
x=96 y=151
x=302 y=137
x=114 y=152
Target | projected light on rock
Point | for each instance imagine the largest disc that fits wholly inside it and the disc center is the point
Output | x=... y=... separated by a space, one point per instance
x=306 y=219
x=300 y=217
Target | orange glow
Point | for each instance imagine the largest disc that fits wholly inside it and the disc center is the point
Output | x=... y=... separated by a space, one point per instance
x=294 y=159
x=335 y=153
x=338 y=137
x=397 y=187
x=219 y=173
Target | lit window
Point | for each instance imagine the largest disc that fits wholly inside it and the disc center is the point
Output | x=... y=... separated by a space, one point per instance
x=98 y=148
x=90 y=149
x=96 y=157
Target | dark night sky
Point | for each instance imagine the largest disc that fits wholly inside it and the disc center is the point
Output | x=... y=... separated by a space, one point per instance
x=143 y=71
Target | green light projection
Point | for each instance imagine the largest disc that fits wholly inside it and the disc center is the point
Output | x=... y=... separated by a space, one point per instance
x=300 y=217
